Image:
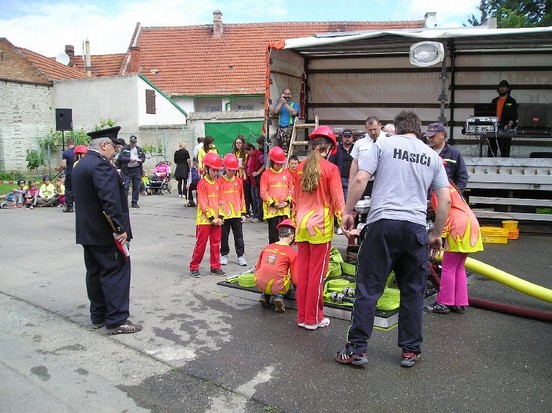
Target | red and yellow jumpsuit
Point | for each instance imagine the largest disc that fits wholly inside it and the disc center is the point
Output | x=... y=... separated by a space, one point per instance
x=313 y=214
x=276 y=269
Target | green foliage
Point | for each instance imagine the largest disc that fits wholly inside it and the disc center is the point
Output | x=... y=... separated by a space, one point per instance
x=514 y=13
x=153 y=150
x=35 y=159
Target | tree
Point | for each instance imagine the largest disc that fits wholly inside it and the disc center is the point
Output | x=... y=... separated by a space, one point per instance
x=514 y=13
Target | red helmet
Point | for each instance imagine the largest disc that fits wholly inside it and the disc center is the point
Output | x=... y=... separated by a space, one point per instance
x=230 y=162
x=325 y=132
x=277 y=155
x=286 y=223
x=81 y=149
x=212 y=160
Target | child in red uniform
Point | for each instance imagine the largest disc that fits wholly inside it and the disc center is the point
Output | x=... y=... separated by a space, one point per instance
x=317 y=198
x=232 y=204
x=276 y=267
x=276 y=188
x=209 y=219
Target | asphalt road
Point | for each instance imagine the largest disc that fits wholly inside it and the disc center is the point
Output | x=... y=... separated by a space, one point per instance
x=205 y=350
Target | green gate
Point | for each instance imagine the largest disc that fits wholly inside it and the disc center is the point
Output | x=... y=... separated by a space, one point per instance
x=225 y=133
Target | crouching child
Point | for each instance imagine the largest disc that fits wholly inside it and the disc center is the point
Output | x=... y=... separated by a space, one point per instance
x=276 y=268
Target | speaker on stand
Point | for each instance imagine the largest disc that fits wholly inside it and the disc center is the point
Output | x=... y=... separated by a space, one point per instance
x=64 y=121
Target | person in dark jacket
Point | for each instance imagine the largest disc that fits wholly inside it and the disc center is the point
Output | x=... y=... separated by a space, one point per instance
x=454 y=165
x=183 y=163
x=131 y=158
x=507 y=113
x=103 y=229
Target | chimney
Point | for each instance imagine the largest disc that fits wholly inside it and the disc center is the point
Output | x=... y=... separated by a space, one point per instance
x=430 y=20
x=217 y=24
x=70 y=51
x=87 y=63
x=134 y=59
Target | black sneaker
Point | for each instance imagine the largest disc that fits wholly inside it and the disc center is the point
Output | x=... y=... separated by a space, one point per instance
x=195 y=273
x=437 y=308
x=218 y=271
x=135 y=205
x=68 y=209
x=409 y=359
x=458 y=309
x=348 y=357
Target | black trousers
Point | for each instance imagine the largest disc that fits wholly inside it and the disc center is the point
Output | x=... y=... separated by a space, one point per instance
x=107 y=284
x=400 y=246
x=272 y=230
x=134 y=176
x=499 y=142
x=68 y=191
x=235 y=225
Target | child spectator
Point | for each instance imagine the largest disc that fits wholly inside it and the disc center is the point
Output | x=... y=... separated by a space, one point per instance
x=209 y=219
x=276 y=188
x=19 y=194
x=293 y=163
x=60 y=191
x=47 y=193
x=31 y=196
x=276 y=267
x=462 y=236
x=254 y=168
x=232 y=203
x=191 y=184
x=317 y=197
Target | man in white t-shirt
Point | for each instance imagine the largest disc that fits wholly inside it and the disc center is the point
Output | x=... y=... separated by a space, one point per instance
x=373 y=133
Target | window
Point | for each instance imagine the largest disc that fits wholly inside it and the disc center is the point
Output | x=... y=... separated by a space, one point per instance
x=150 y=101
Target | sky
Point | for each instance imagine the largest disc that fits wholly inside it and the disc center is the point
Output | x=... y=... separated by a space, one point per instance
x=46 y=26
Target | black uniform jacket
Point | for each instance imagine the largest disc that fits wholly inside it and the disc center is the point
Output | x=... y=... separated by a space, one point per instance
x=98 y=187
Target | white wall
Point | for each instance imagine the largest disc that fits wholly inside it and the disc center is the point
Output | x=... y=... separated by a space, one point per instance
x=26 y=115
x=165 y=112
x=121 y=99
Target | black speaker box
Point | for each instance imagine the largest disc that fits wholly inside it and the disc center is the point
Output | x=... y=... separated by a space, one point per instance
x=64 y=119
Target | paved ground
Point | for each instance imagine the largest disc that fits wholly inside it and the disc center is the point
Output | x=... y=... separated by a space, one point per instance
x=203 y=350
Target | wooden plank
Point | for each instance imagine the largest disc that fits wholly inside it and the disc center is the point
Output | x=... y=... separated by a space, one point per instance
x=512 y=178
x=510 y=201
x=508 y=186
x=518 y=216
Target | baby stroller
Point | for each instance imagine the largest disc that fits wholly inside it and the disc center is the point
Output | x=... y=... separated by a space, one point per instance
x=159 y=182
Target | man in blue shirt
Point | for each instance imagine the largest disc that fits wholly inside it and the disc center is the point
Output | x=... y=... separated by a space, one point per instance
x=287 y=111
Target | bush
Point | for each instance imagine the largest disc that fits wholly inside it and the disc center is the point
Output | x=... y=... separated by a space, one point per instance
x=35 y=159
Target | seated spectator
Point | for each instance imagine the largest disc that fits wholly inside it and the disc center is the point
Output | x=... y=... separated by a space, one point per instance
x=19 y=194
x=60 y=191
x=31 y=196
x=47 y=193
x=276 y=268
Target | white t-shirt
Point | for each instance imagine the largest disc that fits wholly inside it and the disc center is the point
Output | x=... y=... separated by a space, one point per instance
x=363 y=144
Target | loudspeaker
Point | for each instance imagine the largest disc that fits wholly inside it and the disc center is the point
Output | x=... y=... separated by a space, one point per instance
x=64 y=119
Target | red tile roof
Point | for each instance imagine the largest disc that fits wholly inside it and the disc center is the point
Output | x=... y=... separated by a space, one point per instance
x=102 y=65
x=50 y=68
x=189 y=60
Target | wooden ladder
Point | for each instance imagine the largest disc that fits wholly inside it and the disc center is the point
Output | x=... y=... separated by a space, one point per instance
x=294 y=143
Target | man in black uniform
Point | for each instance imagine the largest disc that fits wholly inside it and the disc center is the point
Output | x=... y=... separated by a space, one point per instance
x=507 y=113
x=131 y=159
x=99 y=195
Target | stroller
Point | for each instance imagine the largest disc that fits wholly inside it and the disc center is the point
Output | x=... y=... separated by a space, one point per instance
x=159 y=182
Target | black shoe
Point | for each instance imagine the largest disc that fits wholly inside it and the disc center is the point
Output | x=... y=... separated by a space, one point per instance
x=191 y=204
x=195 y=273
x=218 y=271
x=459 y=309
x=135 y=205
x=67 y=209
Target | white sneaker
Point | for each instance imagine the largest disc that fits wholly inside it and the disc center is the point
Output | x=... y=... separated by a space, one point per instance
x=339 y=231
x=223 y=259
x=322 y=324
x=241 y=261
